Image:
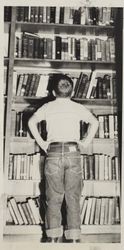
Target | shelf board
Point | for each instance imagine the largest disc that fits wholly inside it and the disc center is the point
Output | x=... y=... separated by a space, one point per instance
x=22 y=229
x=85 y=229
x=86 y=26
x=69 y=28
x=91 y=188
x=34 y=62
x=100 y=229
x=100 y=188
x=105 y=102
x=22 y=187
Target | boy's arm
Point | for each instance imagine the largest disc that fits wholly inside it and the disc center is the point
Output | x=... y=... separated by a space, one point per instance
x=32 y=123
x=92 y=128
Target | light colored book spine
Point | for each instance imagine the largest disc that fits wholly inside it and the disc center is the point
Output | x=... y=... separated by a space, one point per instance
x=106 y=159
x=111 y=210
x=102 y=214
x=101 y=126
x=84 y=211
x=97 y=212
x=66 y=14
x=22 y=213
x=93 y=79
x=101 y=167
x=82 y=199
x=109 y=168
x=35 y=210
x=12 y=213
x=83 y=15
x=111 y=126
x=93 y=208
x=88 y=211
x=96 y=160
x=18 y=172
x=14 y=82
x=16 y=210
x=57 y=17
x=106 y=211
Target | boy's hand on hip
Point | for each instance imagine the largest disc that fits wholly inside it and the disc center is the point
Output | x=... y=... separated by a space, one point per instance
x=44 y=146
x=83 y=143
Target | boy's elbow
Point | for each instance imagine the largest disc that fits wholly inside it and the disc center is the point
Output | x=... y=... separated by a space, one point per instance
x=30 y=123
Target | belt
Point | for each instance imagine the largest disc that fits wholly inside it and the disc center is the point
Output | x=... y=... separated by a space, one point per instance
x=63 y=143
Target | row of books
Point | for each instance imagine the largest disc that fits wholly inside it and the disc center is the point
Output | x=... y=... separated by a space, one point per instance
x=64 y=15
x=29 y=45
x=108 y=126
x=94 y=167
x=26 y=212
x=87 y=85
x=24 y=167
x=100 y=210
x=98 y=86
x=20 y=125
x=100 y=167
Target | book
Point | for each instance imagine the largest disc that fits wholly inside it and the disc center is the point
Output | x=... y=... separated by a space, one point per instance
x=22 y=213
x=35 y=211
x=111 y=126
x=93 y=208
x=58 y=41
x=15 y=220
x=88 y=211
x=101 y=167
x=83 y=213
x=102 y=213
x=97 y=212
x=16 y=210
x=101 y=126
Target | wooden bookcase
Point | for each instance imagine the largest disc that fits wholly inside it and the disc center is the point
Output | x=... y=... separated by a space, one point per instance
x=21 y=145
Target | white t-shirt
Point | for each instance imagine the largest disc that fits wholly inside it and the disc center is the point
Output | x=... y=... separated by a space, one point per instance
x=63 y=118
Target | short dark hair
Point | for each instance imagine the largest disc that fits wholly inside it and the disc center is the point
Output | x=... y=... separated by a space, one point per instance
x=66 y=87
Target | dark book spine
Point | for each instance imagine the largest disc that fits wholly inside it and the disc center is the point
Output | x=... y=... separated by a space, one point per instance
x=36 y=13
x=36 y=85
x=61 y=20
x=41 y=48
x=30 y=76
x=26 y=14
x=77 y=49
x=20 y=14
x=7 y=13
x=89 y=50
x=30 y=47
x=52 y=14
x=32 y=85
x=77 y=16
x=99 y=89
x=36 y=47
x=32 y=14
x=106 y=127
x=83 y=82
x=58 y=47
x=24 y=46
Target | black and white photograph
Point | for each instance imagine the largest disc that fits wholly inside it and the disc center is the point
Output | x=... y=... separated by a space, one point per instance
x=61 y=109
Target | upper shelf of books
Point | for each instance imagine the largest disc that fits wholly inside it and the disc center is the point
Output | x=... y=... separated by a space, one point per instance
x=99 y=16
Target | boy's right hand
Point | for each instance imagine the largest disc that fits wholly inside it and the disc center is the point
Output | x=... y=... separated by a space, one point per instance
x=44 y=145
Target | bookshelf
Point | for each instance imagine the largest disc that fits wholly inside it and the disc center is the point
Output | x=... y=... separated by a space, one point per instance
x=21 y=147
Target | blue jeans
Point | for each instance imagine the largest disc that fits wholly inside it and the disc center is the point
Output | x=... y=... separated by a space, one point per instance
x=63 y=177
